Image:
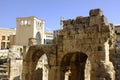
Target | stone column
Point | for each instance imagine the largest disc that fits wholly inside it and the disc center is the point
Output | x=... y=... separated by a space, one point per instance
x=25 y=68
x=5 y=45
x=102 y=71
x=0 y=44
x=101 y=67
x=54 y=73
x=87 y=69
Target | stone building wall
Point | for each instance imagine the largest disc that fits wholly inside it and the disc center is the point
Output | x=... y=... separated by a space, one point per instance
x=15 y=62
x=4 y=64
x=5 y=37
x=83 y=50
x=92 y=36
x=115 y=53
x=31 y=60
x=29 y=27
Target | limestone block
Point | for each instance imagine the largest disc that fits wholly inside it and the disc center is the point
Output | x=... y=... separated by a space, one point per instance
x=104 y=20
x=85 y=20
x=52 y=60
x=95 y=20
x=95 y=12
x=94 y=35
x=105 y=35
x=84 y=35
x=32 y=41
x=78 y=19
x=105 y=28
x=81 y=31
x=68 y=23
x=100 y=56
x=88 y=40
x=71 y=37
x=93 y=29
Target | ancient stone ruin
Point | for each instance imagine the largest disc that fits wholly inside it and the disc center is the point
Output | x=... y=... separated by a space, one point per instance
x=83 y=50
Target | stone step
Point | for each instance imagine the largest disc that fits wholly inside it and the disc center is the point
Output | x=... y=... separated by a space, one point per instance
x=3 y=66
x=3 y=77
x=3 y=70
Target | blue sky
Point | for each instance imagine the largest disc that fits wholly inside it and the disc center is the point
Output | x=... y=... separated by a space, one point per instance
x=52 y=10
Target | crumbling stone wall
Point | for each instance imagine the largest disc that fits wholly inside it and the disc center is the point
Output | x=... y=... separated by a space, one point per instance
x=115 y=58
x=94 y=37
x=81 y=51
x=115 y=53
x=31 y=58
x=15 y=62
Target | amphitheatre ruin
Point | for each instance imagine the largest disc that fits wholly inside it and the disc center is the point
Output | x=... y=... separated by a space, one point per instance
x=87 y=48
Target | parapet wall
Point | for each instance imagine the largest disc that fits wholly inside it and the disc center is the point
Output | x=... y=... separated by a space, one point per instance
x=92 y=35
x=95 y=17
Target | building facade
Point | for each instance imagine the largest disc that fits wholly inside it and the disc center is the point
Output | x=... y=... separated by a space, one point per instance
x=29 y=27
x=28 y=30
x=48 y=38
x=5 y=37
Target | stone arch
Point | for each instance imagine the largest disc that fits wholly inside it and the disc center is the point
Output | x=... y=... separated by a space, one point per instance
x=38 y=38
x=91 y=35
x=43 y=64
x=32 y=59
x=35 y=59
x=73 y=66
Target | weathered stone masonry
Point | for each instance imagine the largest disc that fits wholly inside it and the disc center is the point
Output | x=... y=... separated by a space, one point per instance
x=81 y=51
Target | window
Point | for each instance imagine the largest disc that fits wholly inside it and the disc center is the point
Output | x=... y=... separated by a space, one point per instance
x=29 y=22
x=2 y=45
x=22 y=22
x=8 y=45
x=25 y=22
x=48 y=41
x=41 y=24
x=3 y=37
x=49 y=36
x=8 y=37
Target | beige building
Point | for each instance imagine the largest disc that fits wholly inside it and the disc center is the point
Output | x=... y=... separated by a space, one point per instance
x=48 y=38
x=29 y=27
x=28 y=30
x=15 y=62
x=5 y=37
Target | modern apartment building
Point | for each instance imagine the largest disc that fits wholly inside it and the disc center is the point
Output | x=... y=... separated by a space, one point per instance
x=48 y=38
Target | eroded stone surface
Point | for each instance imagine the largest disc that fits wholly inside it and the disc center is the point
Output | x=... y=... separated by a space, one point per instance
x=82 y=48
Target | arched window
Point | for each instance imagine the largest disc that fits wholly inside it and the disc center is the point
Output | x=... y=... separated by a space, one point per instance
x=38 y=38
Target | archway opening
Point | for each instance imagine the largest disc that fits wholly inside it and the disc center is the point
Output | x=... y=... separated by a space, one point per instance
x=38 y=38
x=37 y=74
x=73 y=66
x=40 y=67
x=43 y=64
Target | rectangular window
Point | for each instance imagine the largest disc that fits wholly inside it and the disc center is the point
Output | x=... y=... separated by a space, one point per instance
x=2 y=45
x=8 y=45
x=3 y=37
x=48 y=41
x=8 y=37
